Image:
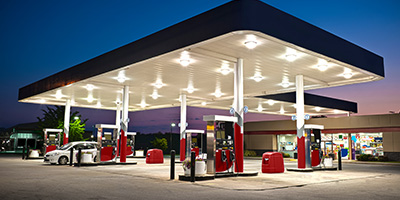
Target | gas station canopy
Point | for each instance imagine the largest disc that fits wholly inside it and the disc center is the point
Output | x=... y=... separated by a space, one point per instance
x=196 y=57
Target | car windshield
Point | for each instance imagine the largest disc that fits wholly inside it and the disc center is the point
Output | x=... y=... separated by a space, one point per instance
x=65 y=147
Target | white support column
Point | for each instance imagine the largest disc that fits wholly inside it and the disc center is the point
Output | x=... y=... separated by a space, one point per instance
x=238 y=93
x=183 y=127
x=301 y=157
x=183 y=115
x=239 y=113
x=124 y=125
x=300 y=105
x=66 y=121
x=118 y=118
x=116 y=136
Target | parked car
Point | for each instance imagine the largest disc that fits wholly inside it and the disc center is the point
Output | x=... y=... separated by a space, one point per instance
x=61 y=155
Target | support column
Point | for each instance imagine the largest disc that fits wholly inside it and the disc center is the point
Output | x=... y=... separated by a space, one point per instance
x=238 y=106
x=66 y=121
x=301 y=159
x=350 y=145
x=124 y=123
x=118 y=124
x=183 y=128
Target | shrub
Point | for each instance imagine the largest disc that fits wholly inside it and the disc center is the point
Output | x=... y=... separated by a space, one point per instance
x=160 y=143
x=285 y=155
x=368 y=157
x=249 y=153
x=383 y=158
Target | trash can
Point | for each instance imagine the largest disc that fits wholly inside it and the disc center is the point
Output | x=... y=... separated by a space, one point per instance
x=154 y=156
x=272 y=162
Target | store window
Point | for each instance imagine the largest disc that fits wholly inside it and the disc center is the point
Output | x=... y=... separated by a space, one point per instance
x=287 y=143
x=368 y=143
x=362 y=143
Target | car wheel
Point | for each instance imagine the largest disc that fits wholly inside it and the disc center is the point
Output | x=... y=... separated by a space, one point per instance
x=63 y=160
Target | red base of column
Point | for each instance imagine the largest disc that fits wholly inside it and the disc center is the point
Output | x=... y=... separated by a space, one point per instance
x=238 y=149
x=122 y=157
x=182 y=153
x=65 y=139
x=301 y=157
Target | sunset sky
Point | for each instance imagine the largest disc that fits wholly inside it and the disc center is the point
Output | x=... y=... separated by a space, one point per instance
x=40 y=38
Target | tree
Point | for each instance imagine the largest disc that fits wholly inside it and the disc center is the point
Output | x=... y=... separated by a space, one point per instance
x=160 y=143
x=53 y=117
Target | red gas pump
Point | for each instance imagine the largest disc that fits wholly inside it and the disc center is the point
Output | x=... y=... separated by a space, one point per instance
x=52 y=139
x=107 y=142
x=307 y=149
x=315 y=147
x=220 y=144
x=130 y=143
x=194 y=144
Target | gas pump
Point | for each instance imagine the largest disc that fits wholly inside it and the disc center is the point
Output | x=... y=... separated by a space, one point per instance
x=107 y=142
x=306 y=147
x=130 y=143
x=220 y=143
x=316 y=151
x=51 y=139
x=192 y=144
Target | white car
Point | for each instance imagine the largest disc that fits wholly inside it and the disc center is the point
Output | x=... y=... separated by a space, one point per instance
x=61 y=155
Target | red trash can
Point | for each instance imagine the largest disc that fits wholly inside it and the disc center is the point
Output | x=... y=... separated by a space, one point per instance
x=154 y=156
x=272 y=162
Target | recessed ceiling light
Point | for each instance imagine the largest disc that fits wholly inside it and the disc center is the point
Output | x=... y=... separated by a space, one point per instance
x=225 y=70
x=185 y=59
x=190 y=89
x=317 y=109
x=121 y=79
x=322 y=67
x=257 y=77
x=291 y=57
x=158 y=84
x=155 y=95
x=143 y=104
x=218 y=93
x=90 y=98
x=184 y=62
x=58 y=94
x=347 y=75
x=282 y=111
x=336 y=111
x=89 y=87
x=98 y=105
x=285 y=84
x=250 y=44
x=42 y=101
x=271 y=102
x=203 y=103
x=260 y=108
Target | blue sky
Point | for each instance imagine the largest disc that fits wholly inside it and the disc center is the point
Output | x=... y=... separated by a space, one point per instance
x=40 y=38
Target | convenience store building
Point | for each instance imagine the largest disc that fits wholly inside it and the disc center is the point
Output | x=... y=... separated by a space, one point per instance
x=378 y=135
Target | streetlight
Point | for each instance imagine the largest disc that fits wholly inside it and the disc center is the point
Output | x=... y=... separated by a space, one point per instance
x=170 y=134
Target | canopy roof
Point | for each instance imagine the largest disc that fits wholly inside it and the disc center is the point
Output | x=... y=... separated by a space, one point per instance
x=285 y=46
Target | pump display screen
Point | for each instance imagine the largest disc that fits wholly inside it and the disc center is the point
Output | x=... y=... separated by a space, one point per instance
x=224 y=135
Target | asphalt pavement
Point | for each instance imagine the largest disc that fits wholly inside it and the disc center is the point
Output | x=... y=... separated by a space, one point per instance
x=33 y=179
